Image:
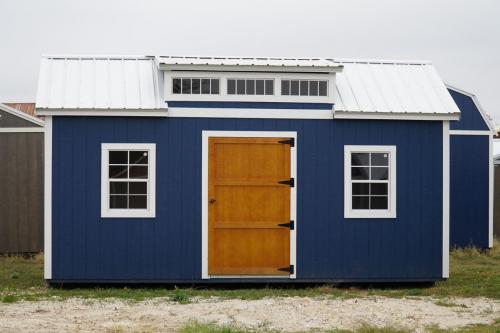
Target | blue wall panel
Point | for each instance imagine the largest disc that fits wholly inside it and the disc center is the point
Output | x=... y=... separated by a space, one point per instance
x=469 y=188
x=470 y=117
x=168 y=248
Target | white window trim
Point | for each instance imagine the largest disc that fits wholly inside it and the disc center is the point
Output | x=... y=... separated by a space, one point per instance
x=224 y=97
x=150 y=212
x=366 y=213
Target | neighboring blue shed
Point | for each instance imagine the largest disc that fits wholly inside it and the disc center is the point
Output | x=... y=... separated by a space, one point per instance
x=200 y=169
x=471 y=187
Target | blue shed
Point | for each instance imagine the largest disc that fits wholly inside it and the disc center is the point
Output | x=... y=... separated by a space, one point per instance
x=201 y=169
x=471 y=174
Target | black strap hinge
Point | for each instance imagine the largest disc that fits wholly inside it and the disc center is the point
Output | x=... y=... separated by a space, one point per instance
x=290 y=225
x=290 y=142
x=290 y=182
x=290 y=269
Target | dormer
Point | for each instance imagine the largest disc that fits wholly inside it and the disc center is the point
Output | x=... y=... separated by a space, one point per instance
x=231 y=79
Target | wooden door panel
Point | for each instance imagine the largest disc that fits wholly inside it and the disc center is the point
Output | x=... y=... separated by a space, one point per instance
x=251 y=251
x=256 y=161
x=246 y=205
x=251 y=204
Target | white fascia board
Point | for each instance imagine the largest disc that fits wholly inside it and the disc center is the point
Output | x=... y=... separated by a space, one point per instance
x=105 y=113
x=484 y=114
x=21 y=129
x=20 y=114
x=255 y=68
x=393 y=116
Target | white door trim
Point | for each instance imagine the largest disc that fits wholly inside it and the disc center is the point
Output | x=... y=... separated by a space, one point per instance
x=204 y=195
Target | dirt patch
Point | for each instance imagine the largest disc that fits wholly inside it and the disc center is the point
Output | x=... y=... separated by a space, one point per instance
x=284 y=314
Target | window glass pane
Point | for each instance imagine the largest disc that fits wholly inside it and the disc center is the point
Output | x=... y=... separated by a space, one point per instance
x=138 y=157
x=294 y=88
x=138 y=201
x=138 y=172
x=380 y=173
x=118 y=188
x=117 y=201
x=118 y=157
x=361 y=202
x=313 y=88
x=380 y=159
x=360 y=188
x=250 y=87
x=231 y=87
x=360 y=159
x=378 y=189
x=176 y=86
x=269 y=87
x=138 y=188
x=214 y=89
x=360 y=173
x=195 y=86
x=205 y=86
x=118 y=171
x=259 y=87
x=378 y=203
x=240 y=87
x=304 y=88
x=322 y=88
x=186 y=86
x=285 y=87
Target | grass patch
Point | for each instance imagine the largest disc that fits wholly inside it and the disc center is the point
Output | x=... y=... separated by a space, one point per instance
x=196 y=327
x=480 y=328
x=473 y=273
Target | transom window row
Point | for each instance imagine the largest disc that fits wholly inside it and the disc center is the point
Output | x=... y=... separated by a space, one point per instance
x=195 y=86
x=304 y=87
x=250 y=87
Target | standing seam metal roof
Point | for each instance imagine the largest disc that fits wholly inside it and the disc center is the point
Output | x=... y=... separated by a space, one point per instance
x=98 y=83
x=135 y=83
x=368 y=86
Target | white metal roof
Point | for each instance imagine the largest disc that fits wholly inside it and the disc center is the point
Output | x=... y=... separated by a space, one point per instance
x=97 y=82
x=385 y=86
x=249 y=61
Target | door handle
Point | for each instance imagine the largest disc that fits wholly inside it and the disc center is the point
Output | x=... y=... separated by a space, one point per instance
x=212 y=201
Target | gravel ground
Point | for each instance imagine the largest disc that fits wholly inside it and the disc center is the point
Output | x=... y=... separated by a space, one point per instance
x=284 y=314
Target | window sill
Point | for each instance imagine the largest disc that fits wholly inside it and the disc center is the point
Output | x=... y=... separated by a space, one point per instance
x=126 y=213
x=369 y=214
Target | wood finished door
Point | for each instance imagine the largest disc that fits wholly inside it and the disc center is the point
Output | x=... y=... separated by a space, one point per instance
x=246 y=206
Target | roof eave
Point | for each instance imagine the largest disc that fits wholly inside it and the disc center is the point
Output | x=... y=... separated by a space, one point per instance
x=246 y=68
x=342 y=114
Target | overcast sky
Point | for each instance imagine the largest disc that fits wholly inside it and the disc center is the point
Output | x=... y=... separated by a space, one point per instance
x=461 y=37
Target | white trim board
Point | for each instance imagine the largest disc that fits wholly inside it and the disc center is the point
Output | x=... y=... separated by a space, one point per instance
x=467 y=132
x=393 y=116
x=20 y=114
x=204 y=195
x=104 y=113
x=446 y=200
x=250 y=113
x=490 y=192
x=21 y=129
x=47 y=218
